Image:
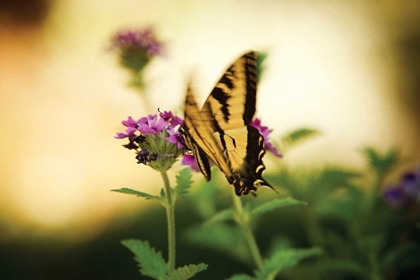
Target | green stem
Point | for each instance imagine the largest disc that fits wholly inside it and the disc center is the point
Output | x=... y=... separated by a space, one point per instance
x=372 y=199
x=373 y=194
x=170 y=215
x=243 y=220
x=374 y=269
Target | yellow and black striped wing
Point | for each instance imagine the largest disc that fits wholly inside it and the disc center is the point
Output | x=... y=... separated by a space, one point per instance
x=221 y=130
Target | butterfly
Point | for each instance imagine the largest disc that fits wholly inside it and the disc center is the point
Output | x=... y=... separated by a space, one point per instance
x=220 y=131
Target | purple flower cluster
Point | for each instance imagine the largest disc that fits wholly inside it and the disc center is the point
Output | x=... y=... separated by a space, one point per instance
x=406 y=191
x=265 y=132
x=154 y=137
x=140 y=39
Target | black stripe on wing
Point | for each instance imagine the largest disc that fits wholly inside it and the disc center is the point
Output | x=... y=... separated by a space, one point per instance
x=236 y=89
x=200 y=138
x=249 y=176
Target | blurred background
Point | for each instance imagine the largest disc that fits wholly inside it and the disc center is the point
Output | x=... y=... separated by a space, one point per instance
x=350 y=69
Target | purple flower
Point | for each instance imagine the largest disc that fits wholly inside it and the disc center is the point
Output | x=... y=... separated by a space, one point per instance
x=129 y=132
x=189 y=160
x=135 y=49
x=395 y=196
x=265 y=132
x=151 y=124
x=173 y=120
x=130 y=122
x=137 y=39
x=406 y=191
x=156 y=141
x=410 y=183
x=175 y=137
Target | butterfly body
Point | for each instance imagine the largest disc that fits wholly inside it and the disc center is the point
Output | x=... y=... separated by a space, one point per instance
x=220 y=131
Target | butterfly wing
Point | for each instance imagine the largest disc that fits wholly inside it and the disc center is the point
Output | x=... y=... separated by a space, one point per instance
x=221 y=128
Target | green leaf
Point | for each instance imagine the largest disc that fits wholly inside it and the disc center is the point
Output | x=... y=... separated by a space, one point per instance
x=283 y=259
x=298 y=135
x=183 y=181
x=136 y=193
x=274 y=204
x=261 y=56
x=225 y=215
x=150 y=262
x=241 y=277
x=186 y=272
x=383 y=164
x=162 y=194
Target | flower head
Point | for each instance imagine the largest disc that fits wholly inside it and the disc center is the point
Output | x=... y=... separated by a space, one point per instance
x=157 y=143
x=136 y=47
x=265 y=132
x=140 y=39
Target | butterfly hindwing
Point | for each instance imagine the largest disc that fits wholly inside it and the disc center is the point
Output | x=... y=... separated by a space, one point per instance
x=221 y=130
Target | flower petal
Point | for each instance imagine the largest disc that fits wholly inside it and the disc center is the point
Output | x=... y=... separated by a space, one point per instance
x=190 y=161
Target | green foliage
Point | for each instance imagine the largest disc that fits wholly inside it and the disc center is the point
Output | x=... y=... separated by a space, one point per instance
x=241 y=277
x=274 y=204
x=186 y=272
x=223 y=238
x=283 y=259
x=277 y=262
x=297 y=136
x=261 y=56
x=313 y=186
x=382 y=164
x=222 y=216
x=351 y=268
x=398 y=255
x=136 y=193
x=150 y=262
x=183 y=181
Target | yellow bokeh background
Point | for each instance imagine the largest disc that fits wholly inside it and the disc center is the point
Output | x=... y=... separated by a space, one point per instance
x=333 y=66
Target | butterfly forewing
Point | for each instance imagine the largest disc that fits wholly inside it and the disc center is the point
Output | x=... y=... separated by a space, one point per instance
x=200 y=138
x=221 y=128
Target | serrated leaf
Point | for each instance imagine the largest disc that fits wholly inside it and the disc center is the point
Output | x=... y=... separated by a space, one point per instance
x=285 y=258
x=224 y=215
x=274 y=204
x=150 y=262
x=136 y=193
x=183 y=181
x=186 y=272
